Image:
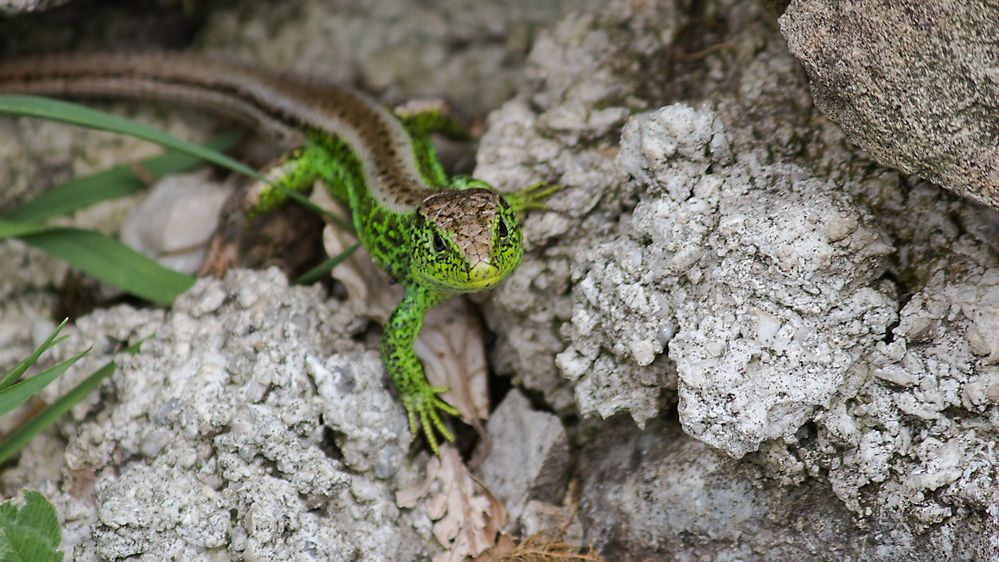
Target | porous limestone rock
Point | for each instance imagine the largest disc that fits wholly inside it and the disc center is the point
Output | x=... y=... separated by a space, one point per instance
x=720 y=244
x=249 y=426
x=771 y=276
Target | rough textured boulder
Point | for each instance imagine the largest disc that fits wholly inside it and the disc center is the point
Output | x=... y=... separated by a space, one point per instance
x=913 y=83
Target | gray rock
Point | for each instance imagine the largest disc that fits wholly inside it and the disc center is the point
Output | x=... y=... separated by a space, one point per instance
x=231 y=434
x=529 y=459
x=772 y=277
x=735 y=254
x=660 y=495
x=356 y=403
x=917 y=415
x=913 y=84
x=466 y=51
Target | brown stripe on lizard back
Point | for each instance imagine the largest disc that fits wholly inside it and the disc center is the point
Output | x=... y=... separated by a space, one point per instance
x=382 y=144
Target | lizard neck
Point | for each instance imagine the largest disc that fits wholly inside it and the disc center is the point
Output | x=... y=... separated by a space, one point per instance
x=277 y=102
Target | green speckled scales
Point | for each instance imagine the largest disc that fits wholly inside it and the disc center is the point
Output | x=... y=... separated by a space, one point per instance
x=383 y=233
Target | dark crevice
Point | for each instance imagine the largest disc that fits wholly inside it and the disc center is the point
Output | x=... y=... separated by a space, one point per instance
x=328 y=444
x=905 y=294
x=104 y=25
x=270 y=466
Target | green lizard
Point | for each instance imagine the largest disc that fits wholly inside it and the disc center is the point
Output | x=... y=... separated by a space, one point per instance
x=438 y=236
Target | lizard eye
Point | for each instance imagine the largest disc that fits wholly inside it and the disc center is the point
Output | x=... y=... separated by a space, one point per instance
x=502 y=229
x=438 y=243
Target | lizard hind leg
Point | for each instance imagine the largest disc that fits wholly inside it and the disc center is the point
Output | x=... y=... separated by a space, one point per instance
x=427 y=117
x=295 y=172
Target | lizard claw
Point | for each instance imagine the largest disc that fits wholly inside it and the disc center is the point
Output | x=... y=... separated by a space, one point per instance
x=532 y=197
x=423 y=408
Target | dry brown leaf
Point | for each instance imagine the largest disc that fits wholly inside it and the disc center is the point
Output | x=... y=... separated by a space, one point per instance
x=467 y=517
x=410 y=497
x=450 y=345
x=472 y=519
x=503 y=546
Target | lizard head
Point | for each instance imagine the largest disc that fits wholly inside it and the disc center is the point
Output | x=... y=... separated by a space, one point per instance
x=465 y=240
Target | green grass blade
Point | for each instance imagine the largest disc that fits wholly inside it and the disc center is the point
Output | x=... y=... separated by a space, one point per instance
x=317 y=273
x=66 y=112
x=109 y=184
x=29 y=532
x=103 y=258
x=74 y=114
x=12 y=375
x=19 y=393
x=20 y=437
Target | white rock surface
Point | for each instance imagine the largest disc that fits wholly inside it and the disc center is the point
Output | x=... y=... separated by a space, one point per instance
x=772 y=278
x=175 y=221
x=239 y=431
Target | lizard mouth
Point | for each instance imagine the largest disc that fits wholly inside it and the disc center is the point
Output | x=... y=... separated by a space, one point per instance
x=484 y=275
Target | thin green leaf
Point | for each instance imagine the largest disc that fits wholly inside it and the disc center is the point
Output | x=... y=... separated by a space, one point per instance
x=19 y=393
x=74 y=114
x=323 y=269
x=19 y=369
x=109 y=184
x=103 y=258
x=29 y=532
x=20 y=437
x=66 y=112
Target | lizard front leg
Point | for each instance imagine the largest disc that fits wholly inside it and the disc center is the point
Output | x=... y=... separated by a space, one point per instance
x=404 y=368
x=529 y=198
x=295 y=171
